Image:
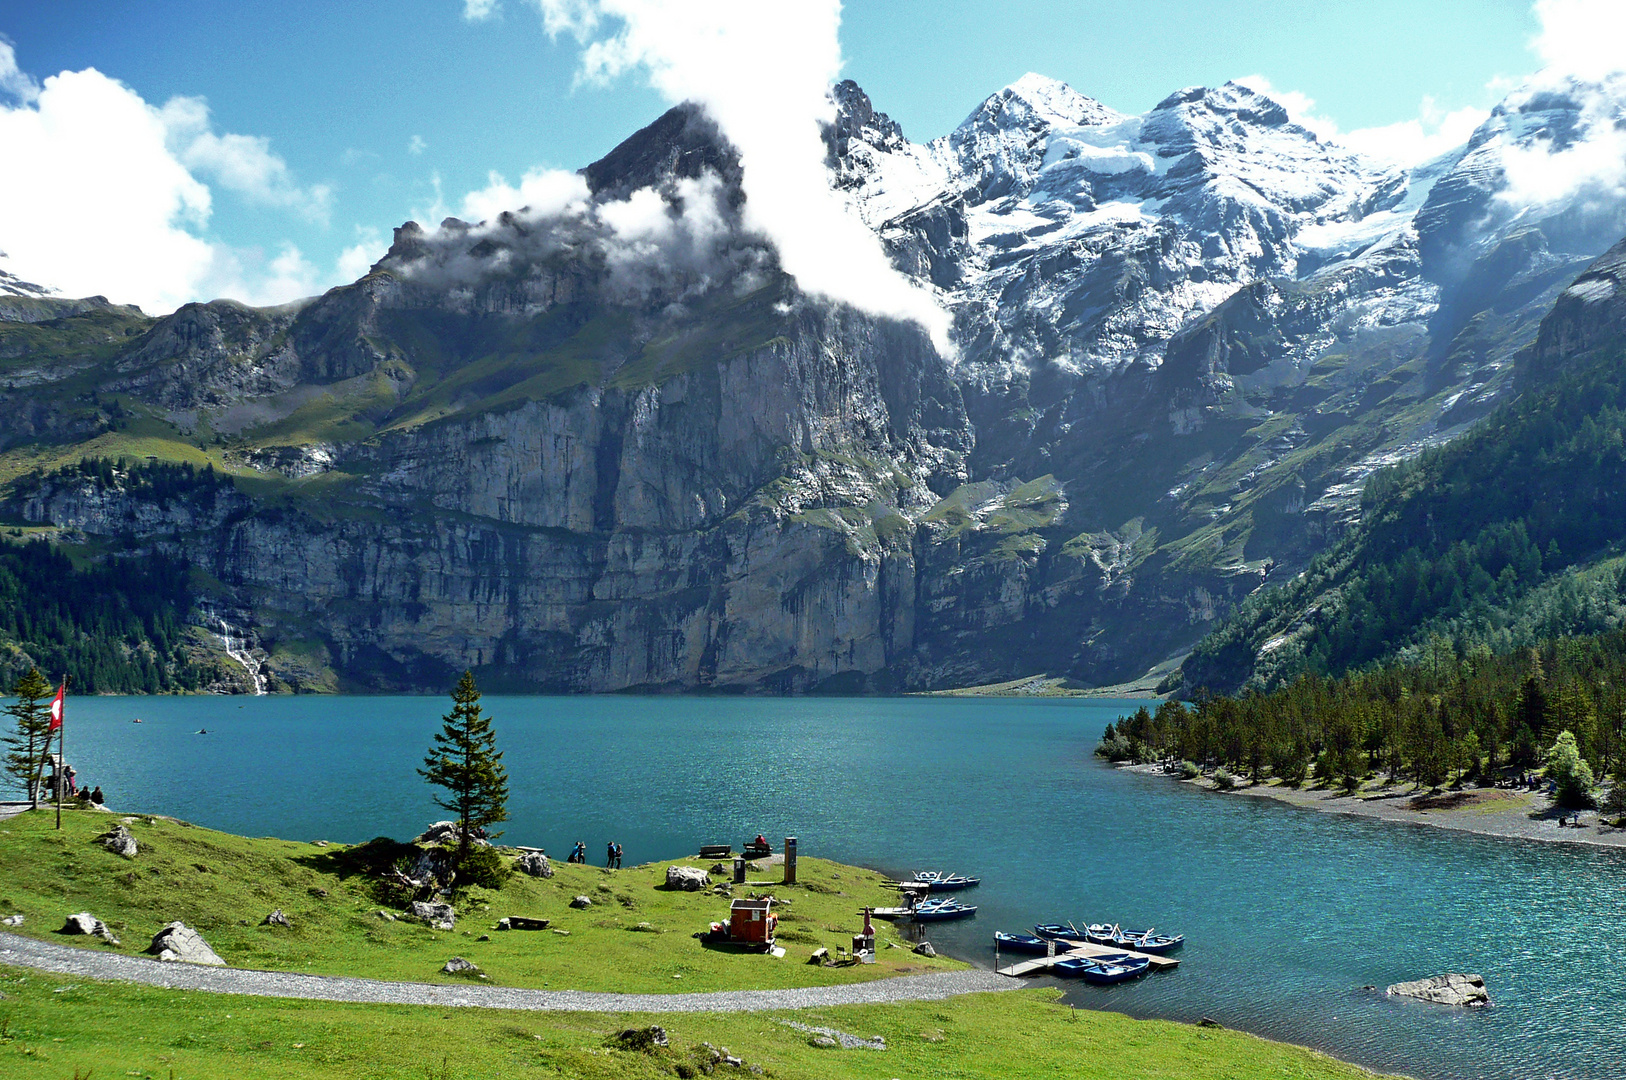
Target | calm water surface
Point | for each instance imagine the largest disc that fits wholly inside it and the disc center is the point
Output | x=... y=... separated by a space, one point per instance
x=1288 y=913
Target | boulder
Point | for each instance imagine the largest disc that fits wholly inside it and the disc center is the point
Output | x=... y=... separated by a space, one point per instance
x=686 y=878
x=719 y=870
x=458 y=966
x=385 y=915
x=819 y=956
x=436 y=913
x=535 y=864
x=86 y=923
x=12 y=920
x=119 y=841
x=581 y=902
x=276 y=918
x=445 y=832
x=1452 y=989
x=179 y=943
x=925 y=949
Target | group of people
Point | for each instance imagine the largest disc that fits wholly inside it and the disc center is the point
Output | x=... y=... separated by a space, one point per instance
x=68 y=782
x=612 y=854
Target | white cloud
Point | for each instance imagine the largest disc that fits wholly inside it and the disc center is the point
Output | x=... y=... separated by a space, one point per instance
x=1406 y=143
x=477 y=10
x=1583 y=38
x=356 y=260
x=416 y=145
x=14 y=82
x=240 y=163
x=99 y=196
x=543 y=192
x=763 y=73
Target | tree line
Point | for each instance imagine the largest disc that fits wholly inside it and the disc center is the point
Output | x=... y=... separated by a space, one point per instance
x=1447 y=718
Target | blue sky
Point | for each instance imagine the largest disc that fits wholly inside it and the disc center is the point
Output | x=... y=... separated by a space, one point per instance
x=358 y=115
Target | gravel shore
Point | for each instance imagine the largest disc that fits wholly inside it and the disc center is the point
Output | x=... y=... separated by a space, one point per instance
x=1510 y=813
x=64 y=960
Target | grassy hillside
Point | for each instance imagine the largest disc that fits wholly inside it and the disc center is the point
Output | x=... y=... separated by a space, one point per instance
x=53 y=1027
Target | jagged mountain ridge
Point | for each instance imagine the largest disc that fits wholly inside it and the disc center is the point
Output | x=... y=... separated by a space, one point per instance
x=1185 y=339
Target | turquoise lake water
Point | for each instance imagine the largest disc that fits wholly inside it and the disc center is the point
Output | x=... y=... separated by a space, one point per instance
x=1289 y=913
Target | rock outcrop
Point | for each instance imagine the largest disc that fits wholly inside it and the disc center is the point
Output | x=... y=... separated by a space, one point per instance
x=435 y=913
x=686 y=878
x=1464 y=990
x=180 y=944
x=534 y=863
x=86 y=923
x=119 y=841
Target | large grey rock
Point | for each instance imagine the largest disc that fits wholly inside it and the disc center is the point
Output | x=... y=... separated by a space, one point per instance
x=179 y=943
x=581 y=902
x=12 y=920
x=86 y=923
x=119 y=841
x=457 y=966
x=276 y=918
x=445 y=832
x=1466 y=990
x=534 y=863
x=686 y=878
x=436 y=913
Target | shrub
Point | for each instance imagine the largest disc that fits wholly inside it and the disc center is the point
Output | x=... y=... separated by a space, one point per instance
x=1614 y=803
x=1189 y=770
x=1223 y=779
x=1116 y=748
x=1569 y=772
x=484 y=867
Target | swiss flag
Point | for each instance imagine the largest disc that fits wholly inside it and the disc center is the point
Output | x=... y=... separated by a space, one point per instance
x=56 y=707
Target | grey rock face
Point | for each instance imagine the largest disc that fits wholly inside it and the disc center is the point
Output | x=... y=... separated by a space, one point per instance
x=179 y=943
x=435 y=913
x=686 y=878
x=86 y=923
x=534 y=863
x=119 y=841
x=1464 y=990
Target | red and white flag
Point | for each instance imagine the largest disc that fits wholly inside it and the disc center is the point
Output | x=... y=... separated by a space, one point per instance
x=56 y=707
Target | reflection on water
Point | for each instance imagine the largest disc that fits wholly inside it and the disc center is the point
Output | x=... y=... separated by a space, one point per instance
x=1288 y=913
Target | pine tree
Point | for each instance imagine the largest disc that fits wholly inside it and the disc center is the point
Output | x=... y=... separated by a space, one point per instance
x=29 y=742
x=466 y=762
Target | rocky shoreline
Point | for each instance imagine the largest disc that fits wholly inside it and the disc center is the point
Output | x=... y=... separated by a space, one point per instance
x=1501 y=812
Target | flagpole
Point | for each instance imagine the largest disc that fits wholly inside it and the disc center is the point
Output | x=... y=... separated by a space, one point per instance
x=62 y=751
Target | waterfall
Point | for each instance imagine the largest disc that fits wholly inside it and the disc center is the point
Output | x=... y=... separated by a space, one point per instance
x=237 y=647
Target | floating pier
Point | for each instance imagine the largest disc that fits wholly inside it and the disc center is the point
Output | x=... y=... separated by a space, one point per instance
x=1038 y=964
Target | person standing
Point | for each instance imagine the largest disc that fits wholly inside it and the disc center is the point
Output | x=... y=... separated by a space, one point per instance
x=618 y=855
x=609 y=855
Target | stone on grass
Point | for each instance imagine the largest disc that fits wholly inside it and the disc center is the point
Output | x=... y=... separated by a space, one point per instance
x=436 y=913
x=686 y=878
x=1452 y=989
x=823 y=1042
x=925 y=949
x=178 y=943
x=119 y=841
x=718 y=870
x=86 y=923
x=12 y=920
x=645 y=1039
x=535 y=864
x=385 y=915
x=458 y=966
x=819 y=956
x=276 y=918
x=581 y=902
x=445 y=832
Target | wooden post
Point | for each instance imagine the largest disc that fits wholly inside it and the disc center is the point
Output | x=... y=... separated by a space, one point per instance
x=790 y=860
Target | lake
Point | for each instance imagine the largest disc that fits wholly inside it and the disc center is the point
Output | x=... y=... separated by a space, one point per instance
x=1288 y=913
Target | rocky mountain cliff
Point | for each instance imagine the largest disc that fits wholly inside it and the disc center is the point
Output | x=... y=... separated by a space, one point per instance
x=579 y=457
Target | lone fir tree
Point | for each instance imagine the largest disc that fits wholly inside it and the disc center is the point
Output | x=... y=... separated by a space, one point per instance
x=466 y=762
x=28 y=744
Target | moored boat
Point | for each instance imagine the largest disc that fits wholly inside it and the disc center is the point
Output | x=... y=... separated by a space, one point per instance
x=1059 y=931
x=940 y=910
x=1104 y=974
x=1023 y=943
x=937 y=881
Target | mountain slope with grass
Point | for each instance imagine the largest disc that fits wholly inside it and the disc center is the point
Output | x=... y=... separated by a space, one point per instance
x=1510 y=536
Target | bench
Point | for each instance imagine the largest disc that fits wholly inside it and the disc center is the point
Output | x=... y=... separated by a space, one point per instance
x=716 y=851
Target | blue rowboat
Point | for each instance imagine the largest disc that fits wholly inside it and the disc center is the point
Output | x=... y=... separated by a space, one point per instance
x=1107 y=974
x=940 y=910
x=1023 y=943
x=1058 y=932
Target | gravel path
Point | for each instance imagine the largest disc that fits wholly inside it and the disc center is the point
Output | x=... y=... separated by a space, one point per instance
x=64 y=960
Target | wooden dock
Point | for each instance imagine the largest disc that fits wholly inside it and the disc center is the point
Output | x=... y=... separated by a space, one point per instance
x=1038 y=964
